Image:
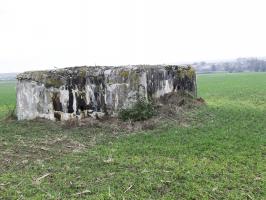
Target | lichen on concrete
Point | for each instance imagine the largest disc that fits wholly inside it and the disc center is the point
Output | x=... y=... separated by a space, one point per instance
x=80 y=92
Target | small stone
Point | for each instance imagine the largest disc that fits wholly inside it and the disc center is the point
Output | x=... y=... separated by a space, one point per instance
x=97 y=115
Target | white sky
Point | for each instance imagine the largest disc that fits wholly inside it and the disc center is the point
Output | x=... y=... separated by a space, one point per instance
x=41 y=34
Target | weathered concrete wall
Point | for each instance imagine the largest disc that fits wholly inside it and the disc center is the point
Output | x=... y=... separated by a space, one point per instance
x=79 y=92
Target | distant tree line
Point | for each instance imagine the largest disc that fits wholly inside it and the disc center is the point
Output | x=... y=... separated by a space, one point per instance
x=238 y=65
x=7 y=76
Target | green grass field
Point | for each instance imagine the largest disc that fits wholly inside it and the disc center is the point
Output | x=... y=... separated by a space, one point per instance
x=219 y=154
x=7 y=96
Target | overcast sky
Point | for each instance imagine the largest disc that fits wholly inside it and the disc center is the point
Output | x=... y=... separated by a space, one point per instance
x=42 y=34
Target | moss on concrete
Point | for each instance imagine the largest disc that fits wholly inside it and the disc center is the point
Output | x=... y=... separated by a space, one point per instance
x=124 y=74
x=188 y=72
x=53 y=82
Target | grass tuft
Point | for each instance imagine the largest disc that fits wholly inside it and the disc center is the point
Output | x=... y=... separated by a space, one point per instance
x=11 y=113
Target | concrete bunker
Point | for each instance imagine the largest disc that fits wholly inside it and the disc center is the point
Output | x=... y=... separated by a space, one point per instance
x=80 y=92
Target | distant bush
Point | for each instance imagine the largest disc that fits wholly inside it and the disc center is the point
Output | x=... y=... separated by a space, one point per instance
x=141 y=110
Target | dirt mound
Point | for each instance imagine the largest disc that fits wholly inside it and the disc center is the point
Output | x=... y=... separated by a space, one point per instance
x=180 y=99
x=173 y=103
